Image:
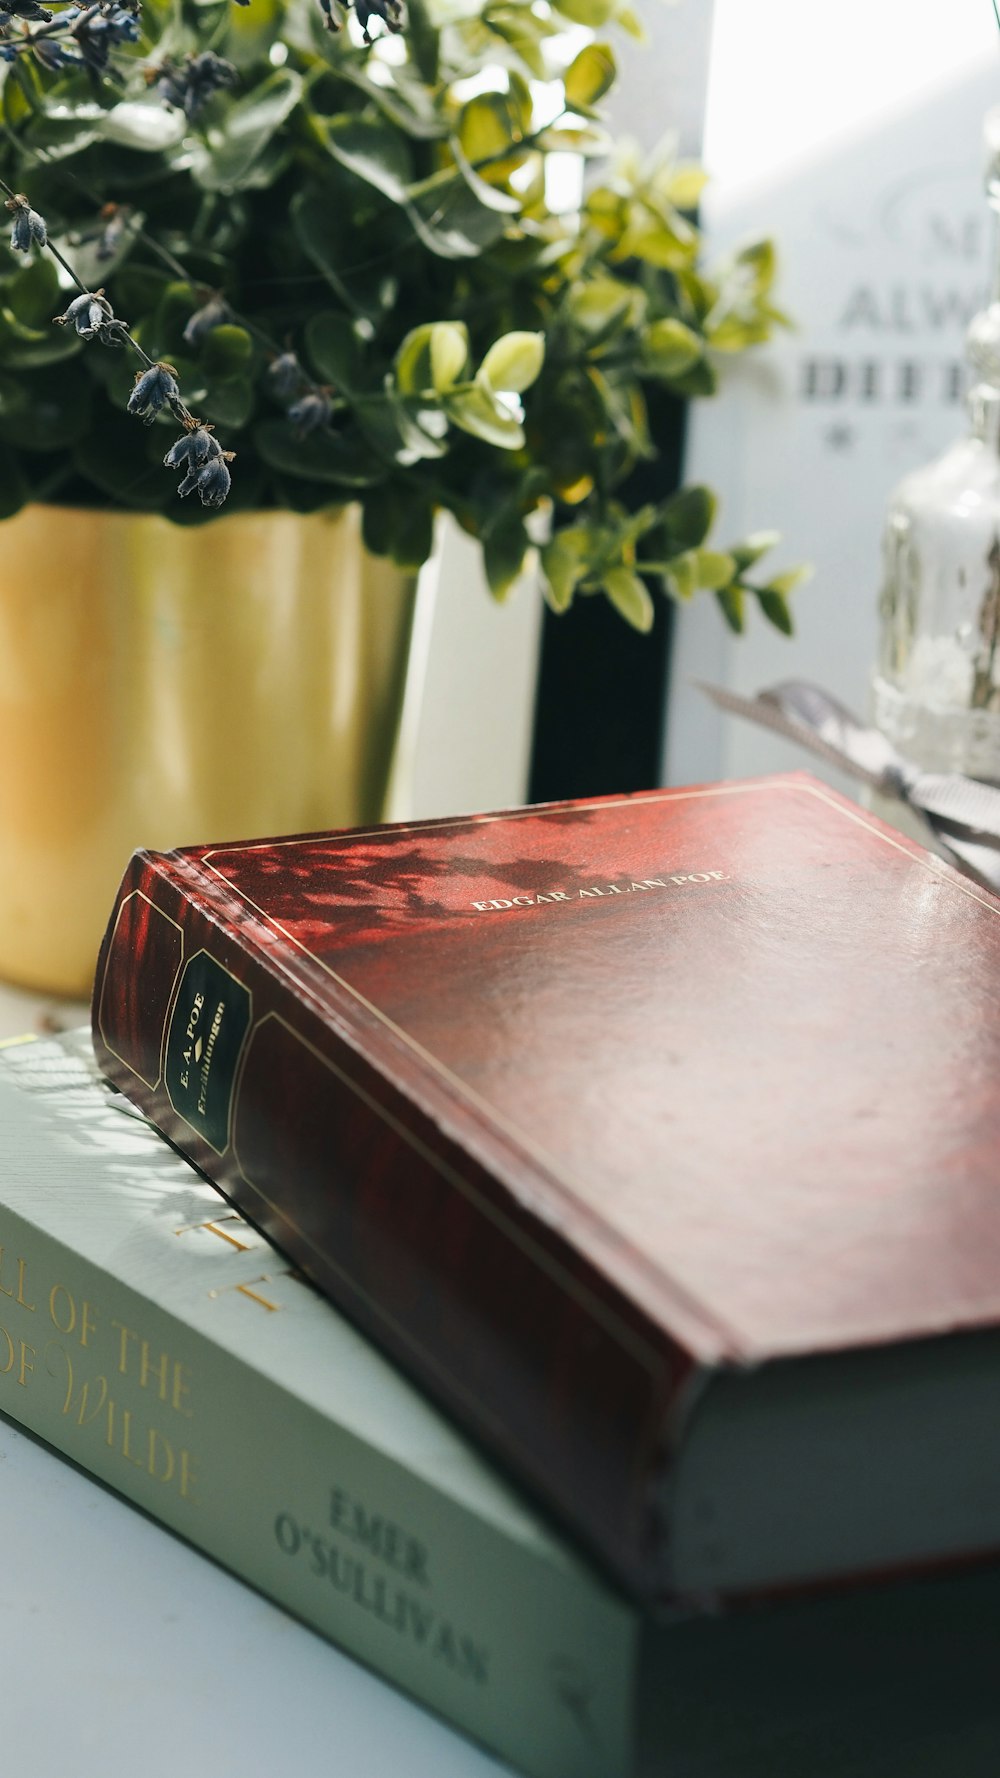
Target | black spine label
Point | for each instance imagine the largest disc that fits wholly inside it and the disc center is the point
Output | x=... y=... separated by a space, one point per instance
x=208 y=1027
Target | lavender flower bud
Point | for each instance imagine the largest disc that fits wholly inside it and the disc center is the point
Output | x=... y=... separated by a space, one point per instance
x=214 y=313
x=189 y=87
x=29 y=228
x=111 y=230
x=52 y=55
x=285 y=376
x=89 y=313
x=389 y=11
x=212 y=480
x=26 y=9
x=154 y=388
x=310 y=412
x=194 y=449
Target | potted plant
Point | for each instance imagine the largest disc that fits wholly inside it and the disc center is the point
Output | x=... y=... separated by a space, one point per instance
x=284 y=282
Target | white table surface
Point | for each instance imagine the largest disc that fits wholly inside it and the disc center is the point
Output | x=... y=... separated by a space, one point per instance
x=126 y=1651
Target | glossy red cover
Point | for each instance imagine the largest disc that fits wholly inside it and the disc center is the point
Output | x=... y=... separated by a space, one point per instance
x=566 y=1102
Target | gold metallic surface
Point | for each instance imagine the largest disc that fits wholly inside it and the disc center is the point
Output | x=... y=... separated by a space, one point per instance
x=163 y=685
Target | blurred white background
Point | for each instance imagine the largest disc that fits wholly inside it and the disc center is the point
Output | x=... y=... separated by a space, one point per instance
x=852 y=134
x=791 y=77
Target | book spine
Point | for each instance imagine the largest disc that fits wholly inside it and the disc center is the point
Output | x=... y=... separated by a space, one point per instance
x=524 y=1654
x=369 y=1189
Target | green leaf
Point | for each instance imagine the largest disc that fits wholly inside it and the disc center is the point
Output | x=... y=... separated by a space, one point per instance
x=228 y=403
x=398 y=522
x=33 y=293
x=424 y=40
x=340 y=458
x=629 y=596
x=514 y=361
x=564 y=563
x=414 y=372
x=775 y=608
x=59 y=138
x=449 y=354
x=150 y=128
x=27 y=348
x=372 y=150
x=701 y=380
x=669 y=348
x=334 y=349
x=407 y=103
x=596 y=307
x=592 y=13
x=477 y=411
x=687 y=518
x=588 y=140
x=505 y=545
x=399 y=430
x=449 y=219
x=13 y=330
x=337 y=250
x=758 y=263
x=162 y=333
x=715 y=569
x=226 y=352
x=746 y=554
x=490 y=125
x=525 y=32
x=589 y=76
x=225 y=161
x=52 y=412
x=492 y=197
x=783 y=584
x=250 y=32
x=680 y=580
x=114 y=460
x=732 y=604
x=734 y=334
x=684 y=185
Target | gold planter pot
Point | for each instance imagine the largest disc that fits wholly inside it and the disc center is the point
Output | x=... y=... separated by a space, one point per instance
x=161 y=686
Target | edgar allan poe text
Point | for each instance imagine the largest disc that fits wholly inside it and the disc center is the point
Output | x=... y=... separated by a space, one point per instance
x=633 y=886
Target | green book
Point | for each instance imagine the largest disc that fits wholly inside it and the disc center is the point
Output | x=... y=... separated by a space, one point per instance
x=154 y=1337
x=151 y=1334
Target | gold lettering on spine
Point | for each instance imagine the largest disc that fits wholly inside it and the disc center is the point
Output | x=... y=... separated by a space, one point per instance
x=16 y=1292
x=160 y=1370
x=20 y=1287
x=214 y=1229
x=157 y=1443
x=126 y=1334
x=181 y=1391
x=62 y=1309
x=84 y=1411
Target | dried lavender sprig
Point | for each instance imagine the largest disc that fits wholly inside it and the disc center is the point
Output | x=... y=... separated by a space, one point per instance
x=156 y=386
x=96 y=30
x=102 y=25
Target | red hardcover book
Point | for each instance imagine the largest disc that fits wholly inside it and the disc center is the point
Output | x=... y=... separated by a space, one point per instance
x=658 y=1136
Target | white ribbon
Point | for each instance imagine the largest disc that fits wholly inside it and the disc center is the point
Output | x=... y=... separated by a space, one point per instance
x=962 y=813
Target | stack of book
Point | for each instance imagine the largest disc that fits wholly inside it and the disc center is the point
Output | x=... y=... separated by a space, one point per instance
x=650 y=1141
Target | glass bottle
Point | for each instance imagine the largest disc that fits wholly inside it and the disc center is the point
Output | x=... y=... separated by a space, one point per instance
x=937 y=680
